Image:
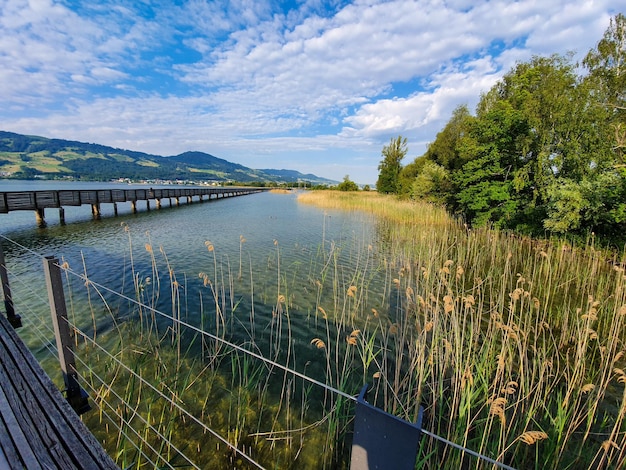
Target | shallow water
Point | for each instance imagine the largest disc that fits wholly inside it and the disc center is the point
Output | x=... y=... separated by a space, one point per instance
x=254 y=270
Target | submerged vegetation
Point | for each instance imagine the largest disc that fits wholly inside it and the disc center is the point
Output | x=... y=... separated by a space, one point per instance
x=513 y=346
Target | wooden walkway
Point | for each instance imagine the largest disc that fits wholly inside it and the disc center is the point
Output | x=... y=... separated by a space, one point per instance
x=38 y=201
x=38 y=427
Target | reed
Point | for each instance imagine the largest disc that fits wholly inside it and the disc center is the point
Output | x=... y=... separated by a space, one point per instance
x=514 y=346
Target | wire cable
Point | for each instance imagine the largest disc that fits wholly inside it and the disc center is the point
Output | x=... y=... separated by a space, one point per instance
x=165 y=397
x=285 y=368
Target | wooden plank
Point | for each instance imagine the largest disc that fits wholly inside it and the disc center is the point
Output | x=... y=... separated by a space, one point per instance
x=117 y=195
x=69 y=198
x=89 y=197
x=45 y=199
x=52 y=429
x=4 y=462
x=15 y=443
x=3 y=204
x=104 y=195
x=25 y=413
x=21 y=201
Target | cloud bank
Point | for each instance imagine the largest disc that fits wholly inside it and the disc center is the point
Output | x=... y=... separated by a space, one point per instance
x=314 y=86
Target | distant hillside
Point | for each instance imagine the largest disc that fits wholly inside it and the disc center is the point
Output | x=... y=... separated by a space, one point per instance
x=26 y=157
x=291 y=175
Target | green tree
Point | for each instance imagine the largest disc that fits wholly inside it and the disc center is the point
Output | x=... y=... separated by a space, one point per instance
x=390 y=166
x=595 y=204
x=565 y=207
x=347 y=185
x=543 y=92
x=408 y=173
x=431 y=184
x=607 y=71
x=493 y=149
x=444 y=149
x=551 y=133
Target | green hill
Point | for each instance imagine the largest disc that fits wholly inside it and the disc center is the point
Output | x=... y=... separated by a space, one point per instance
x=27 y=157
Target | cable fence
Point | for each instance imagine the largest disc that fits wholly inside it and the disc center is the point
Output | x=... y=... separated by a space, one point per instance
x=218 y=387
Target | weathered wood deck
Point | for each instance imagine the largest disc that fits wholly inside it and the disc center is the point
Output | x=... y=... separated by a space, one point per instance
x=38 y=201
x=38 y=427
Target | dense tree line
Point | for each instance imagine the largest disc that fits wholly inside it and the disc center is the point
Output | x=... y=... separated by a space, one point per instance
x=543 y=152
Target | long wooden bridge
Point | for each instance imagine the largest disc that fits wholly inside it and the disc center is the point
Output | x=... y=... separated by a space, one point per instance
x=38 y=201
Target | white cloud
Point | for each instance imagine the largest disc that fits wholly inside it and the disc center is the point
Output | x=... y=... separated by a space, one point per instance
x=421 y=114
x=244 y=81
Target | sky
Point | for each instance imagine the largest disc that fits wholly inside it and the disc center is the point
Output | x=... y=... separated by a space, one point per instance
x=308 y=85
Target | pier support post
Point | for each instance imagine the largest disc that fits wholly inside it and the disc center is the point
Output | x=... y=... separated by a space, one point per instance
x=189 y=199
x=147 y=204
x=115 y=208
x=133 y=206
x=158 y=203
x=40 y=216
x=75 y=395
x=14 y=320
x=95 y=211
x=62 y=215
x=177 y=201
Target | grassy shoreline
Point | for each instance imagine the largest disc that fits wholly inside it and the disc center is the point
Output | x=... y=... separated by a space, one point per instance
x=514 y=346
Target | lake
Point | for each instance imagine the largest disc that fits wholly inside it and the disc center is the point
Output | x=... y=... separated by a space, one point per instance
x=255 y=270
x=498 y=337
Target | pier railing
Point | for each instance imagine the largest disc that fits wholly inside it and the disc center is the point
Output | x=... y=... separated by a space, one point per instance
x=105 y=336
x=39 y=201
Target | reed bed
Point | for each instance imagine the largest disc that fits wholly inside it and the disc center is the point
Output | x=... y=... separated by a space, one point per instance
x=513 y=346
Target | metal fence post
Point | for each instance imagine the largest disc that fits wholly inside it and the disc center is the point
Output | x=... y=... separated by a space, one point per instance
x=75 y=395
x=382 y=440
x=14 y=320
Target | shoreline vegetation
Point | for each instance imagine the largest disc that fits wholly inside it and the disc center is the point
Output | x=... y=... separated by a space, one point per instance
x=541 y=154
x=514 y=347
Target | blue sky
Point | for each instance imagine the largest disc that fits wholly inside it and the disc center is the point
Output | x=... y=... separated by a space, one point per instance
x=314 y=86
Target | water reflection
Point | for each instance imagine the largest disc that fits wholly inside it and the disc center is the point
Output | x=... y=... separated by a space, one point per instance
x=262 y=244
x=261 y=271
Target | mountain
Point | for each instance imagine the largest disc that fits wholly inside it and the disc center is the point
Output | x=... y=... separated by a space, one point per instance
x=26 y=156
x=291 y=175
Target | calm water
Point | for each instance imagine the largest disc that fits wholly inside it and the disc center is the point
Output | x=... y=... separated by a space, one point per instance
x=256 y=269
x=280 y=246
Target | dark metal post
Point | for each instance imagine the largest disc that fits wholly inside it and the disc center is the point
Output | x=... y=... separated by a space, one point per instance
x=14 y=320
x=75 y=395
x=382 y=440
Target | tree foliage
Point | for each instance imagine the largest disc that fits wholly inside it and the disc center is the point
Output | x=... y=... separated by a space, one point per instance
x=607 y=72
x=444 y=149
x=390 y=166
x=431 y=184
x=544 y=151
x=347 y=185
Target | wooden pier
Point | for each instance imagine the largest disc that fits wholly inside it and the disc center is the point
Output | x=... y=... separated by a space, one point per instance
x=39 y=201
x=38 y=427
